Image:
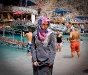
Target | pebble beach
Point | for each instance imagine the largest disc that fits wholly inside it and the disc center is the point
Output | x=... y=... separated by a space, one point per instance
x=17 y=62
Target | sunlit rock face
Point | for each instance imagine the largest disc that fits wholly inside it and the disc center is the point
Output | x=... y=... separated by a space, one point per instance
x=78 y=7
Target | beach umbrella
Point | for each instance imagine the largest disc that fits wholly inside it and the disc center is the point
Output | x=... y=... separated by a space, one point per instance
x=27 y=3
x=18 y=13
x=30 y=3
x=61 y=11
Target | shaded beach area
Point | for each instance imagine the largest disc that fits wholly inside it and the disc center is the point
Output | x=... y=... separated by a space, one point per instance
x=14 y=61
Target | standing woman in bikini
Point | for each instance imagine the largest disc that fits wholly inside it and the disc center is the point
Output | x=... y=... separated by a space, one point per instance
x=59 y=41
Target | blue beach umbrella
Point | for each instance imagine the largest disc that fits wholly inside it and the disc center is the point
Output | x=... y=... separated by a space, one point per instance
x=28 y=3
x=61 y=11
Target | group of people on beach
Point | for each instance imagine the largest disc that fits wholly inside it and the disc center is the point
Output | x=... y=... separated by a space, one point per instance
x=42 y=47
x=74 y=40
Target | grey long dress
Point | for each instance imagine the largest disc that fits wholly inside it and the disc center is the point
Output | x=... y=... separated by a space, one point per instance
x=43 y=54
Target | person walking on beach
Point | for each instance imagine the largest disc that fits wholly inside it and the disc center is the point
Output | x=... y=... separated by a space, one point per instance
x=29 y=37
x=43 y=48
x=82 y=28
x=74 y=42
x=59 y=41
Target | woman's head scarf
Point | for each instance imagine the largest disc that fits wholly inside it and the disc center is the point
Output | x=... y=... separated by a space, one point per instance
x=41 y=33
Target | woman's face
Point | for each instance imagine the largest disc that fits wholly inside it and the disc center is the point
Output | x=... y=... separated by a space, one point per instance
x=45 y=25
x=58 y=32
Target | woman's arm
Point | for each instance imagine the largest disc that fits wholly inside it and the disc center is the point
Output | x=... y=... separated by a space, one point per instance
x=33 y=50
x=52 y=48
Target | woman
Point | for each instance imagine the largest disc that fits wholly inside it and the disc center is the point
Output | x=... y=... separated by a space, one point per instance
x=43 y=48
x=59 y=41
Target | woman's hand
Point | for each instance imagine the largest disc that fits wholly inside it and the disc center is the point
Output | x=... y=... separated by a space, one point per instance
x=50 y=64
x=23 y=33
x=35 y=63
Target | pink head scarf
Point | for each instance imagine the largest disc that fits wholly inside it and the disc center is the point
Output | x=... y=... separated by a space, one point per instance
x=42 y=33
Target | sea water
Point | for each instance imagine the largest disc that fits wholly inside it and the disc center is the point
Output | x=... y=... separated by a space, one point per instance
x=10 y=52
